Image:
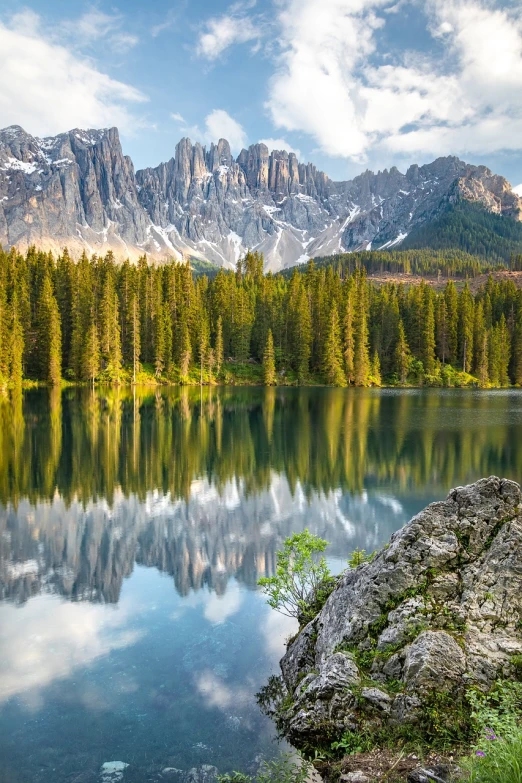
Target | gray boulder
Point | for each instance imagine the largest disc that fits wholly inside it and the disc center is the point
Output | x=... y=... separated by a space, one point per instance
x=436 y=611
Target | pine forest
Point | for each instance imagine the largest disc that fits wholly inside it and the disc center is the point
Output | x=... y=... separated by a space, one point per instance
x=97 y=321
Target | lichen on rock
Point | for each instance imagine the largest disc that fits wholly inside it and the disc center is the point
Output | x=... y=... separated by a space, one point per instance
x=436 y=612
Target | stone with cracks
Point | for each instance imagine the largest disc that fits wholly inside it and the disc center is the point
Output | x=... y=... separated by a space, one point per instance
x=436 y=611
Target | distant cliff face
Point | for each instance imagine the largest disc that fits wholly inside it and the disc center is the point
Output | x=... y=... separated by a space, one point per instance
x=78 y=189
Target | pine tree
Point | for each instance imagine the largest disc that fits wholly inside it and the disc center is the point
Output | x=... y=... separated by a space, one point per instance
x=269 y=370
x=402 y=355
x=135 y=336
x=91 y=354
x=494 y=355
x=517 y=342
x=304 y=336
x=218 y=349
x=49 y=334
x=376 y=370
x=466 y=321
x=4 y=331
x=361 y=351
x=348 y=335
x=16 y=346
x=442 y=330
x=333 y=356
x=204 y=345
x=504 y=351
x=110 y=342
x=83 y=306
x=428 y=332
x=451 y=299
x=159 y=341
x=480 y=341
x=167 y=337
x=186 y=354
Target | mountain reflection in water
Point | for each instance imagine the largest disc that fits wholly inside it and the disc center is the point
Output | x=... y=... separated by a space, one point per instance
x=134 y=525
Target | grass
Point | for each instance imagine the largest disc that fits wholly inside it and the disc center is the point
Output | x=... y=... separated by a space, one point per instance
x=501 y=762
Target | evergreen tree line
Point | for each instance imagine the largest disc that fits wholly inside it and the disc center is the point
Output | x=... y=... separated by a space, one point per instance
x=98 y=321
x=466 y=225
x=425 y=262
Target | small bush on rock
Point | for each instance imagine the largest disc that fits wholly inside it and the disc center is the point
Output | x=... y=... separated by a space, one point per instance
x=360 y=556
x=302 y=581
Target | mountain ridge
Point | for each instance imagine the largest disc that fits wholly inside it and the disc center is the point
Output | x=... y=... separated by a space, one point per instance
x=79 y=189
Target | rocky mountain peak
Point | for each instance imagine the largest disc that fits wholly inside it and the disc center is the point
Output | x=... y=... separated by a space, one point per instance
x=219 y=155
x=79 y=189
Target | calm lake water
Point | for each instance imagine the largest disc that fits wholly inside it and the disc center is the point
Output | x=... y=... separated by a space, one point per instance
x=133 y=529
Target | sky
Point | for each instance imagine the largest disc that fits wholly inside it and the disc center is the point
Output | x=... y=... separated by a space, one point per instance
x=346 y=84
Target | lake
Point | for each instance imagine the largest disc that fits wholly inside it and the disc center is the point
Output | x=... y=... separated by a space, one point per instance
x=134 y=525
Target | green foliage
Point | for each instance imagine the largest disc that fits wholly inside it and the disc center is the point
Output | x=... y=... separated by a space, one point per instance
x=358 y=557
x=352 y=742
x=469 y=227
x=444 y=721
x=496 y=718
x=501 y=762
x=269 y=370
x=284 y=769
x=498 y=711
x=516 y=661
x=300 y=574
x=425 y=261
x=333 y=356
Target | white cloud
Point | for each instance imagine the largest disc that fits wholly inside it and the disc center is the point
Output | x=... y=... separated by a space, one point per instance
x=47 y=88
x=220 y=125
x=219 y=694
x=168 y=22
x=95 y=25
x=224 y=31
x=177 y=117
x=518 y=190
x=280 y=144
x=77 y=634
x=314 y=88
x=332 y=82
x=219 y=608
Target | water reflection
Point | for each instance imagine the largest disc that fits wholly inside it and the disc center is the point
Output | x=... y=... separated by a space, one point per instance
x=87 y=444
x=134 y=526
x=204 y=485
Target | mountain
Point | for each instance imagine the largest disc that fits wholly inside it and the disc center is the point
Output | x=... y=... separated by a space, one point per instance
x=79 y=189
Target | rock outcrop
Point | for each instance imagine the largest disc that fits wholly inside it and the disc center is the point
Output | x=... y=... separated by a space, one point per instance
x=79 y=189
x=437 y=611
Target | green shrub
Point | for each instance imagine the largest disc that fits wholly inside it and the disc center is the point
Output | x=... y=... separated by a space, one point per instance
x=360 y=556
x=497 y=712
x=352 y=742
x=301 y=579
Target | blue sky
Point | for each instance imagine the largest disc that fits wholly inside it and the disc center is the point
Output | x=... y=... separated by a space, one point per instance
x=348 y=84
